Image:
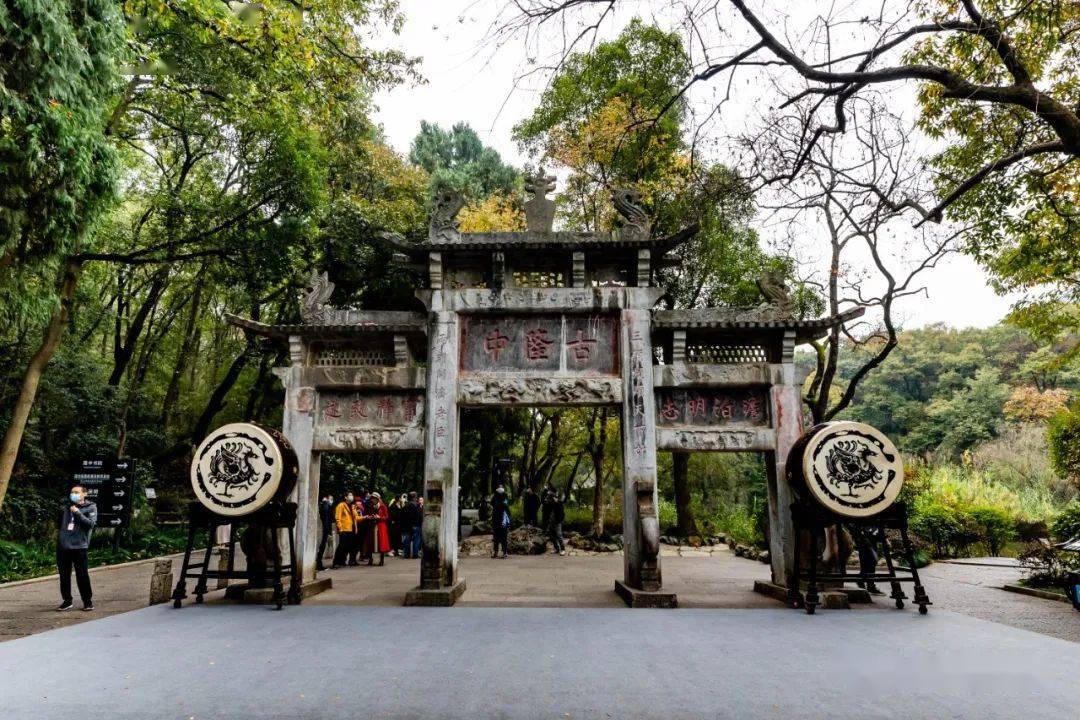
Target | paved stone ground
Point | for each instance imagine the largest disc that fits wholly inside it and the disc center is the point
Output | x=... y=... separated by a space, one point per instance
x=29 y=607
x=321 y=661
x=701 y=580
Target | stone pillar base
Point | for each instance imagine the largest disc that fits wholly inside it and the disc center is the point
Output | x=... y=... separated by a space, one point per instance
x=840 y=598
x=776 y=591
x=441 y=597
x=265 y=595
x=645 y=599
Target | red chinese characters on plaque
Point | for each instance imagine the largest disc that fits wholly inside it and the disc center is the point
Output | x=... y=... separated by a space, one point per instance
x=540 y=343
x=537 y=344
x=368 y=409
x=712 y=406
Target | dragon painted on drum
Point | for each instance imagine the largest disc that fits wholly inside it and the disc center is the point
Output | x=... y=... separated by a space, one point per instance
x=848 y=463
x=231 y=468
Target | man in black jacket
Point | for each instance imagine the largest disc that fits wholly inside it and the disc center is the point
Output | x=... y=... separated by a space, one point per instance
x=413 y=518
x=326 y=515
x=530 y=503
x=554 y=515
x=77 y=521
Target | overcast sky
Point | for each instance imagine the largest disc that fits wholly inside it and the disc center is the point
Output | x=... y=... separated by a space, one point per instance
x=468 y=79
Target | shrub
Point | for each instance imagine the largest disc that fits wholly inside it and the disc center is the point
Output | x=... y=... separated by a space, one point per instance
x=938 y=524
x=1031 y=530
x=740 y=525
x=1067 y=524
x=668 y=516
x=1063 y=437
x=1047 y=566
x=993 y=527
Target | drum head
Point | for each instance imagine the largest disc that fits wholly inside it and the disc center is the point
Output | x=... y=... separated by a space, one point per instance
x=239 y=468
x=851 y=469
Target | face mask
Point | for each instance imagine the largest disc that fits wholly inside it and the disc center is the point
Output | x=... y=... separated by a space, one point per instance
x=348 y=498
x=75 y=497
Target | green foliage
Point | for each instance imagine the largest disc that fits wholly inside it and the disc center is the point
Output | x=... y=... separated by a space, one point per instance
x=58 y=74
x=459 y=160
x=1022 y=220
x=994 y=527
x=606 y=118
x=29 y=512
x=667 y=515
x=938 y=524
x=1067 y=524
x=1063 y=437
x=943 y=390
x=957 y=507
x=643 y=68
x=19 y=561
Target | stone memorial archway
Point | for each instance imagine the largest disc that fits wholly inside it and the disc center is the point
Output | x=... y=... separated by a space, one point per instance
x=533 y=318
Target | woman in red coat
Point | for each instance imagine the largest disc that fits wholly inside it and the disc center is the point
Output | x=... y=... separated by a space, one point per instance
x=380 y=533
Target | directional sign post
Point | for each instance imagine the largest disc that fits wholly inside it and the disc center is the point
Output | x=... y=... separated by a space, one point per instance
x=109 y=482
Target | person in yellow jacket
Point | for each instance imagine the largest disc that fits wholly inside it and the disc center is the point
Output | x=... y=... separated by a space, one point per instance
x=347 y=523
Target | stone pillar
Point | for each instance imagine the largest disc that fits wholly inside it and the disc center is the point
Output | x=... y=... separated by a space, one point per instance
x=641 y=584
x=439 y=581
x=787 y=417
x=298 y=425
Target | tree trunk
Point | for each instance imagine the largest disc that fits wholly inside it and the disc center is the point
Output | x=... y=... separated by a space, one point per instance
x=172 y=394
x=597 y=441
x=685 y=524
x=124 y=352
x=50 y=341
x=217 y=398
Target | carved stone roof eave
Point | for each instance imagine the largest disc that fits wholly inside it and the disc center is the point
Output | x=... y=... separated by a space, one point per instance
x=565 y=240
x=750 y=319
x=369 y=322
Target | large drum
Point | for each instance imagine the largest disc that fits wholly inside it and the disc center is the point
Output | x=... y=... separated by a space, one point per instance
x=241 y=467
x=848 y=468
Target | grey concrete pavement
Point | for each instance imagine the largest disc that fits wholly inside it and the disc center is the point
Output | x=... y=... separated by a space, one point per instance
x=239 y=662
x=701 y=580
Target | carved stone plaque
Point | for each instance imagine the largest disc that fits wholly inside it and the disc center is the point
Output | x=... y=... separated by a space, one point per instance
x=539 y=343
x=711 y=407
x=369 y=410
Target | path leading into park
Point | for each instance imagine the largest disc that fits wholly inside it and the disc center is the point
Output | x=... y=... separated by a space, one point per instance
x=327 y=661
x=701 y=578
x=354 y=652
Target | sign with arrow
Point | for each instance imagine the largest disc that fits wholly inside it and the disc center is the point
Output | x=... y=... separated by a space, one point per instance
x=109 y=482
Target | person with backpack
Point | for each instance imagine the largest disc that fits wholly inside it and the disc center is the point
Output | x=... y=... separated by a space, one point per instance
x=500 y=522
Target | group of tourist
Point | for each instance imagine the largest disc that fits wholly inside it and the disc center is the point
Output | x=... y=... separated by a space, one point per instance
x=543 y=510
x=367 y=527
